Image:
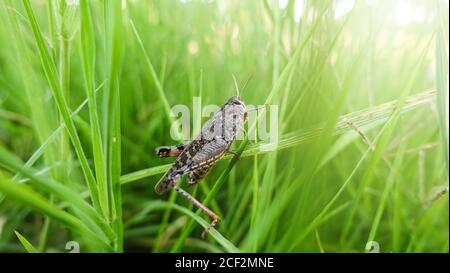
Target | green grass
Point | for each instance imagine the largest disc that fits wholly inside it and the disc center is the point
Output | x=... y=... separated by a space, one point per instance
x=86 y=91
x=27 y=245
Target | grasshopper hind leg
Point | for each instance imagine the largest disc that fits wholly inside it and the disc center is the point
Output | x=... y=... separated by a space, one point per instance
x=171 y=151
x=199 y=205
x=197 y=174
x=167 y=182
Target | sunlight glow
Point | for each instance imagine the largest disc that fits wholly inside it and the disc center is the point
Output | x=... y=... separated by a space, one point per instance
x=419 y=14
x=343 y=7
x=193 y=47
x=282 y=4
x=372 y=2
x=299 y=7
x=73 y=2
x=403 y=12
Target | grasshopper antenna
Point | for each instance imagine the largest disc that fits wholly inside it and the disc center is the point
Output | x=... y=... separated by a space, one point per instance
x=236 y=85
x=250 y=76
x=238 y=93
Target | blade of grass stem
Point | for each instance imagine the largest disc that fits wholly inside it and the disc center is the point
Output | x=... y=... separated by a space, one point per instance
x=51 y=74
x=30 y=198
x=88 y=54
x=26 y=244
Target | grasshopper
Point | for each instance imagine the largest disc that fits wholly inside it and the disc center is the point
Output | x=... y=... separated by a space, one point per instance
x=197 y=157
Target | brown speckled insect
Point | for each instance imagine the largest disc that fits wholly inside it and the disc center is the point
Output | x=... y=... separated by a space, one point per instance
x=197 y=157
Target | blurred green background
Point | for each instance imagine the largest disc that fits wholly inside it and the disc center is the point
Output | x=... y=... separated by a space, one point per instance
x=86 y=89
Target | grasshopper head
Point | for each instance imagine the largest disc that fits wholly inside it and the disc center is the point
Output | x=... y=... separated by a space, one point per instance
x=236 y=101
x=236 y=107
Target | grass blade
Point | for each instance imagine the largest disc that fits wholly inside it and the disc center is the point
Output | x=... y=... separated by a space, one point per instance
x=160 y=205
x=59 y=190
x=442 y=90
x=158 y=84
x=26 y=244
x=112 y=122
x=393 y=176
x=30 y=198
x=88 y=54
x=51 y=74
x=51 y=138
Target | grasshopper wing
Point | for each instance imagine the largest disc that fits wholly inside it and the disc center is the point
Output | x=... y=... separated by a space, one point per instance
x=205 y=159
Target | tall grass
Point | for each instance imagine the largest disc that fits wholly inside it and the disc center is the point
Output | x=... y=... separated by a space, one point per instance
x=86 y=90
